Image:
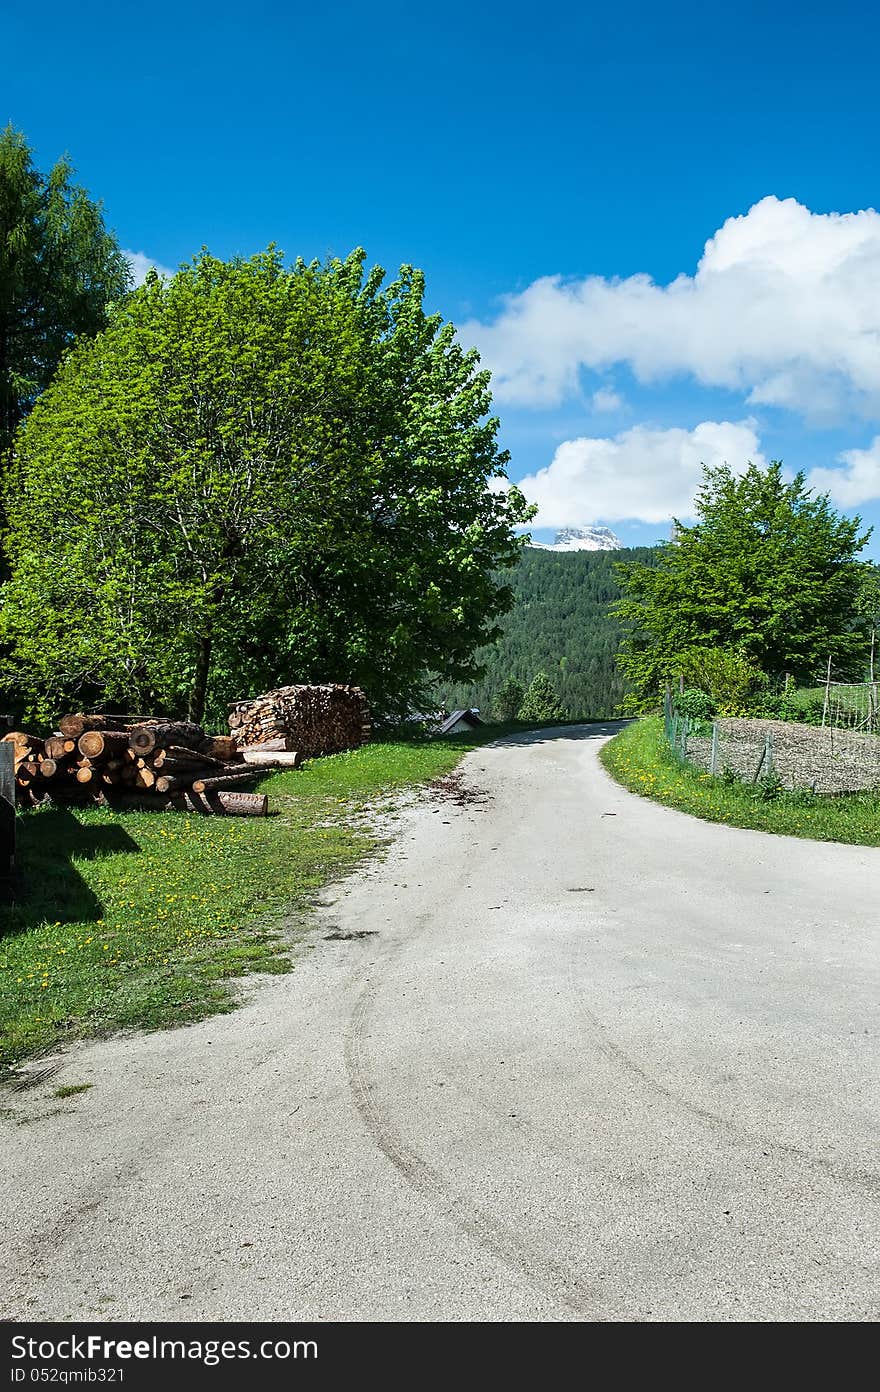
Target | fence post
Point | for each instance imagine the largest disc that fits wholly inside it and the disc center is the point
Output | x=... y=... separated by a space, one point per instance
x=757 y=773
x=713 y=757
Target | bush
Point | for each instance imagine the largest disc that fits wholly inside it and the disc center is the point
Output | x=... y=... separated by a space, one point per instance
x=779 y=705
x=770 y=786
x=784 y=705
x=812 y=711
x=729 y=676
x=695 y=704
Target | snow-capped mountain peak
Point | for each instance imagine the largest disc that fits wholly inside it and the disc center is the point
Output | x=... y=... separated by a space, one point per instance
x=581 y=539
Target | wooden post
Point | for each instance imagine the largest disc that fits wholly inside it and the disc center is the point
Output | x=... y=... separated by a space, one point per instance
x=713 y=757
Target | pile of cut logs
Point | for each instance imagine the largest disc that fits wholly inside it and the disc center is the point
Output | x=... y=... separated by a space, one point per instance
x=124 y=762
x=140 y=762
x=314 y=720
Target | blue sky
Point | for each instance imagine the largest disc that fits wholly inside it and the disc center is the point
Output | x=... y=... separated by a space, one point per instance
x=553 y=172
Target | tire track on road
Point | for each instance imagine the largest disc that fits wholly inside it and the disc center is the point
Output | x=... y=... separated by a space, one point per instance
x=548 y=1278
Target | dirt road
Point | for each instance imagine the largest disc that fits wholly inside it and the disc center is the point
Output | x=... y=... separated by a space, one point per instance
x=592 y=1060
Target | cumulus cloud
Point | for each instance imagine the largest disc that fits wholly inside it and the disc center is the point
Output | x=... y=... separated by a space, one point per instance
x=640 y=474
x=784 y=306
x=857 y=482
x=606 y=399
x=141 y=264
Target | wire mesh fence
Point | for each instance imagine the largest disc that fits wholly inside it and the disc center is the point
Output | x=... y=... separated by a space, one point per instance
x=851 y=706
x=824 y=759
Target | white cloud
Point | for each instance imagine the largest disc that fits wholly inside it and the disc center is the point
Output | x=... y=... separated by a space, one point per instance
x=784 y=306
x=857 y=482
x=606 y=399
x=640 y=474
x=141 y=264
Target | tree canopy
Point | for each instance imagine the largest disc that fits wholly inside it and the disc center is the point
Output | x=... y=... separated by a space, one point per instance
x=768 y=570
x=258 y=474
x=508 y=699
x=540 y=701
x=868 y=606
x=60 y=269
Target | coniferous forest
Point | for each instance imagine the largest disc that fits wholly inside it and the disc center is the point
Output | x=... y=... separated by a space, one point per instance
x=562 y=624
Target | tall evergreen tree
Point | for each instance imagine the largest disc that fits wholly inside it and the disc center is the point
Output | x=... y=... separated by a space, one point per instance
x=60 y=270
x=508 y=700
x=541 y=701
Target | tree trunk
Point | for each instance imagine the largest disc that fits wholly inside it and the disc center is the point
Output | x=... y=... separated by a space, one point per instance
x=145 y=738
x=102 y=744
x=200 y=679
x=237 y=775
x=219 y=804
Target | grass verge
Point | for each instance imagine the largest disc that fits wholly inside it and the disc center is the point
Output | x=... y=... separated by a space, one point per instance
x=641 y=760
x=141 y=919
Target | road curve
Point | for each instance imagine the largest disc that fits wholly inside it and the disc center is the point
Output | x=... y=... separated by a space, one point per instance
x=593 y=1060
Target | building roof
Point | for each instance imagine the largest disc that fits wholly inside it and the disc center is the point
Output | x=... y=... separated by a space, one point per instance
x=470 y=717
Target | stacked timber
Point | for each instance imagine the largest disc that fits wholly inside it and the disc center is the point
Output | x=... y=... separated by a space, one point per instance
x=313 y=720
x=118 y=761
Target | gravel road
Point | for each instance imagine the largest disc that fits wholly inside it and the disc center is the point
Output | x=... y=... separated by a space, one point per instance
x=592 y=1060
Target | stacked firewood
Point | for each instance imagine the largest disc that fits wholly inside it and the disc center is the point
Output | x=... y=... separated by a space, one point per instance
x=118 y=761
x=314 y=720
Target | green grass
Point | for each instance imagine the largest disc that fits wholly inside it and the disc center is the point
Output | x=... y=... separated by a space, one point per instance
x=71 y=1090
x=141 y=919
x=641 y=760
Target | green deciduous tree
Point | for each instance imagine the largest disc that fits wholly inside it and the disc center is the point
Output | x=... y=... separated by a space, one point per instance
x=868 y=606
x=768 y=570
x=259 y=475
x=508 y=700
x=60 y=269
x=541 y=701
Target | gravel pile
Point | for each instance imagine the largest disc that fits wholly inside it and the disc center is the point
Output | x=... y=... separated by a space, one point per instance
x=804 y=756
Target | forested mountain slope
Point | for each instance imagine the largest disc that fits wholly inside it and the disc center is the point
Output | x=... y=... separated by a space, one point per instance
x=561 y=624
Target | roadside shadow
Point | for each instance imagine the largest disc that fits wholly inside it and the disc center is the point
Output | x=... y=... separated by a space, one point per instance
x=594 y=729
x=47 y=886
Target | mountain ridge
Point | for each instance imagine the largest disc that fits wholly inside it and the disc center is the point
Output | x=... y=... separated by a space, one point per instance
x=562 y=624
x=580 y=539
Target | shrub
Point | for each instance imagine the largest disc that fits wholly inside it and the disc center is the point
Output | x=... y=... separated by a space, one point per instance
x=812 y=711
x=770 y=786
x=779 y=705
x=695 y=704
x=728 y=675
